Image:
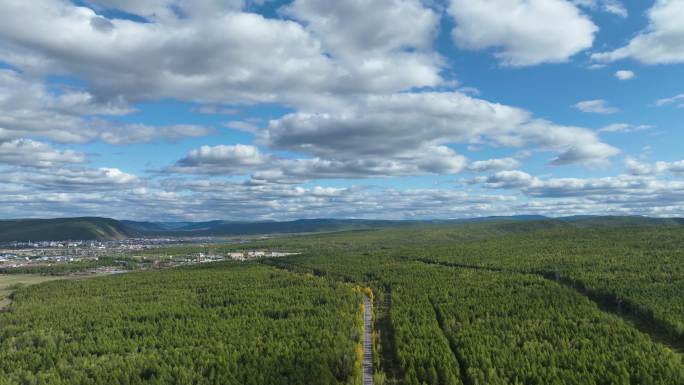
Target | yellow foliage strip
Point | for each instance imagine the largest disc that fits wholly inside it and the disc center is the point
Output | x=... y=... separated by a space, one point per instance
x=365 y=290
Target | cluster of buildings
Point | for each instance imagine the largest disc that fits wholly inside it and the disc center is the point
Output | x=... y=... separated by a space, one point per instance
x=195 y=258
x=22 y=254
x=76 y=250
x=8 y=258
x=128 y=244
x=255 y=254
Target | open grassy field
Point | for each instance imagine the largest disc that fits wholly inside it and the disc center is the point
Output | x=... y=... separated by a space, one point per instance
x=9 y=282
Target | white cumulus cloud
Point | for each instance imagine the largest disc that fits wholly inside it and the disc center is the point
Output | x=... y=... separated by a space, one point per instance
x=399 y=126
x=662 y=42
x=26 y=152
x=625 y=75
x=245 y=57
x=595 y=106
x=677 y=100
x=523 y=32
x=494 y=165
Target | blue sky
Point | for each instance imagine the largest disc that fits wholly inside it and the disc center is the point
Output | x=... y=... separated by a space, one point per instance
x=402 y=109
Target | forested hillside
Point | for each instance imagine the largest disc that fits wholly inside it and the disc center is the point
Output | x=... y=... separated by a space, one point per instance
x=61 y=229
x=88 y=228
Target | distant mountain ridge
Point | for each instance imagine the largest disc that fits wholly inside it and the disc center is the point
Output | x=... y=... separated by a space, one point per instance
x=217 y=228
x=95 y=228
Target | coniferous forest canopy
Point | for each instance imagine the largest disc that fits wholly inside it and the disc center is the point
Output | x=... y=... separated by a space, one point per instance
x=491 y=303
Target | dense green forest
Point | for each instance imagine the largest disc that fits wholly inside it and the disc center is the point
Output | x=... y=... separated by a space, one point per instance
x=490 y=303
x=228 y=324
x=637 y=269
x=486 y=327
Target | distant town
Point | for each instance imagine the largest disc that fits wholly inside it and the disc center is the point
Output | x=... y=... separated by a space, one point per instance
x=49 y=253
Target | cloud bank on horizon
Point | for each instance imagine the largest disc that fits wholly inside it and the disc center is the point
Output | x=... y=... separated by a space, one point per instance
x=398 y=109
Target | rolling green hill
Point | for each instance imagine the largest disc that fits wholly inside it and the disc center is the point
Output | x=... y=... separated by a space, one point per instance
x=59 y=229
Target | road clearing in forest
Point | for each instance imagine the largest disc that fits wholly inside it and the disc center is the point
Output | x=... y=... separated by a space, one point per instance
x=367 y=343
